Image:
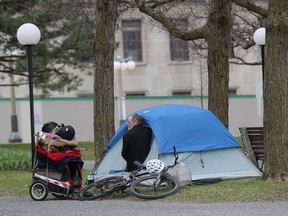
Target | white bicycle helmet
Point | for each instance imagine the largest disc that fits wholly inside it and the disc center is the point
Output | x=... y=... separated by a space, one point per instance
x=155 y=166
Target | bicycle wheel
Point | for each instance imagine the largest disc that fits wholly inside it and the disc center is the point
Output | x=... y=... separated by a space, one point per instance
x=100 y=188
x=153 y=187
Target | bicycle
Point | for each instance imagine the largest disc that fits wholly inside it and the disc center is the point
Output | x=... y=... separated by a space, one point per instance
x=154 y=183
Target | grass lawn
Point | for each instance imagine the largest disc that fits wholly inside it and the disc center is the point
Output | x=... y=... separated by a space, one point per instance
x=16 y=183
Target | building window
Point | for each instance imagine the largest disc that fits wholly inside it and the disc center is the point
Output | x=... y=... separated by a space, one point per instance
x=135 y=94
x=181 y=93
x=179 y=48
x=132 y=43
x=231 y=52
x=232 y=91
x=85 y=94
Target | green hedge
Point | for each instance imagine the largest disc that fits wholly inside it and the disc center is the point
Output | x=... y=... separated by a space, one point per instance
x=14 y=160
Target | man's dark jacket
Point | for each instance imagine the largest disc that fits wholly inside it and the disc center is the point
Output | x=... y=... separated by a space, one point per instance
x=136 y=145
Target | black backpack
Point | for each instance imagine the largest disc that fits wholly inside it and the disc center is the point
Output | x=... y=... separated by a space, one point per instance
x=50 y=127
x=66 y=132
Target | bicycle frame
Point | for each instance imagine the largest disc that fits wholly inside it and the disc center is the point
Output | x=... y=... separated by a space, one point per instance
x=115 y=183
x=132 y=177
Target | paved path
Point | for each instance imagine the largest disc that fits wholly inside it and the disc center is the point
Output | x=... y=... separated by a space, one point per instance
x=88 y=164
x=22 y=206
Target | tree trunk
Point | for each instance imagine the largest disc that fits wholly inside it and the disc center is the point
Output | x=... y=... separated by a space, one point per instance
x=218 y=37
x=276 y=92
x=104 y=42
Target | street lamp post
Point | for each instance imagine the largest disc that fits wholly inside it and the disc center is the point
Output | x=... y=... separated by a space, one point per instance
x=28 y=35
x=260 y=39
x=121 y=65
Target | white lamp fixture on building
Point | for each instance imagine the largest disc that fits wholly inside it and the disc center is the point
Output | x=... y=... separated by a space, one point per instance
x=28 y=35
x=121 y=65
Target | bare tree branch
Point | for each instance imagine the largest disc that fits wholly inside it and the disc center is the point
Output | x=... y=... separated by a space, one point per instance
x=252 y=7
x=241 y=61
x=159 y=16
x=15 y=84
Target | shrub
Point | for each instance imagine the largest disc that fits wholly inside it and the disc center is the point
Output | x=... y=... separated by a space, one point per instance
x=14 y=160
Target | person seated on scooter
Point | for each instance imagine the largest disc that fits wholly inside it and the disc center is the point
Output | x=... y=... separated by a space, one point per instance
x=57 y=138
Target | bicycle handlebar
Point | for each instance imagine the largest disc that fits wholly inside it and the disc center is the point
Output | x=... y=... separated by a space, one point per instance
x=137 y=163
x=142 y=166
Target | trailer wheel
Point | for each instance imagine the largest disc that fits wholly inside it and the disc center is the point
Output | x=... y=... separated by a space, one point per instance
x=38 y=190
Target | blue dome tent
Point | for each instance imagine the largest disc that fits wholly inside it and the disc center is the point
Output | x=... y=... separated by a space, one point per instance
x=203 y=143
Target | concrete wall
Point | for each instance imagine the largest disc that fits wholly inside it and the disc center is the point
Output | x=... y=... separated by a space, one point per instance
x=78 y=112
